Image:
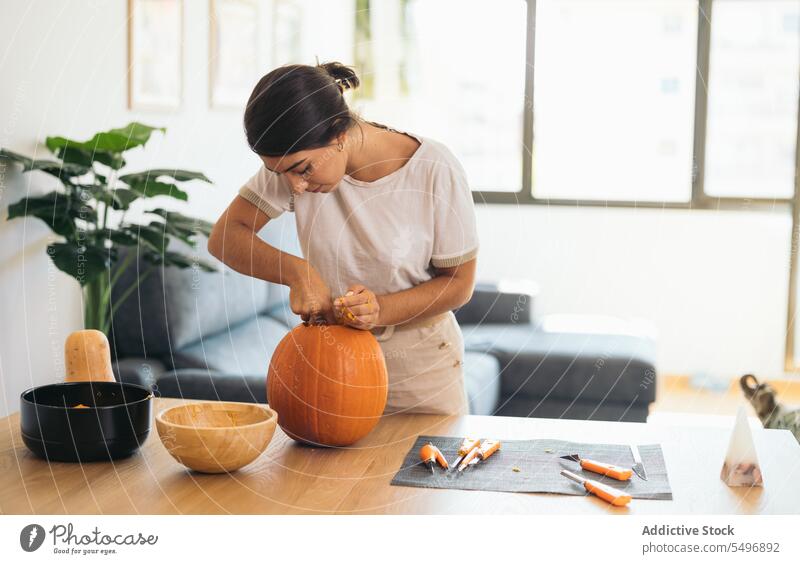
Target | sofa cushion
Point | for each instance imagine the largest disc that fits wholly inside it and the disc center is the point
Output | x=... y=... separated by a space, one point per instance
x=482 y=380
x=199 y=384
x=175 y=307
x=279 y=307
x=140 y=371
x=568 y=366
x=551 y=408
x=244 y=349
x=499 y=303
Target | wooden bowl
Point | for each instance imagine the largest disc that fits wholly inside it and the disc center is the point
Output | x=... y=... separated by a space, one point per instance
x=216 y=436
x=85 y=421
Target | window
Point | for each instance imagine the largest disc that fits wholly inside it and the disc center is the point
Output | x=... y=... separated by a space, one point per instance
x=614 y=88
x=286 y=33
x=454 y=71
x=752 y=99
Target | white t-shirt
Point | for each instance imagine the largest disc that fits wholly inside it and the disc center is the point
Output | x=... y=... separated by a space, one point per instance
x=386 y=234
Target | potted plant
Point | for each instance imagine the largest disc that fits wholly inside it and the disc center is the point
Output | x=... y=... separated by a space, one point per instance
x=80 y=211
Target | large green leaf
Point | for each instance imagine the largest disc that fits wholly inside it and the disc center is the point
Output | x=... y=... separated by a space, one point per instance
x=175 y=174
x=181 y=222
x=5 y=154
x=136 y=132
x=179 y=260
x=55 y=168
x=150 y=188
x=119 y=199
x=84 y=157
x=84 y=263
x=98 y=192
x=114 y=140
x=123 y=236
x=74 y=155
x=174 y=230
x=182 y=233
x=123 y=198
x=151 y=236
x=61 y=171
x=57 y=210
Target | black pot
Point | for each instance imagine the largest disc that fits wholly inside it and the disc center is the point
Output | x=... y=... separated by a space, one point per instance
x=114 y=425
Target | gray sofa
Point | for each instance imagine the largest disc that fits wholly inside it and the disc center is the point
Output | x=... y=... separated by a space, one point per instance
x=192 y=334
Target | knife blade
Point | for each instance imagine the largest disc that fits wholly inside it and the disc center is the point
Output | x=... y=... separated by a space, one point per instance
x=638 y=467
x=610 y=470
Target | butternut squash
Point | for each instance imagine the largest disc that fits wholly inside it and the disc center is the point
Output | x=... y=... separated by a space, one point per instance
x=87 y=356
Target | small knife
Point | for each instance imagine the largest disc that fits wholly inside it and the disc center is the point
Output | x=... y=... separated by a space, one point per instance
x=431 y=456
x=638 y=467
x=603 y=491
x=610 y=470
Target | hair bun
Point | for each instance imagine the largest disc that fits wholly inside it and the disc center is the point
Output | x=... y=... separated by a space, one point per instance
x=344 y=76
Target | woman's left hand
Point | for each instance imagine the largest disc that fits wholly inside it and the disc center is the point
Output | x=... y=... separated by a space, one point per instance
x=358 y=308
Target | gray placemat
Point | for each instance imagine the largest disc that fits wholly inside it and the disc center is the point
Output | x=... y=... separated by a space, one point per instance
x=539 y=468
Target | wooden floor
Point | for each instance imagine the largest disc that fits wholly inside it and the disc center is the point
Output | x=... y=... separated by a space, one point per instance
x=676 y=394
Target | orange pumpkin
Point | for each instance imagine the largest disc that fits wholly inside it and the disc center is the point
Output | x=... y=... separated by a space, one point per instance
x=328 y=384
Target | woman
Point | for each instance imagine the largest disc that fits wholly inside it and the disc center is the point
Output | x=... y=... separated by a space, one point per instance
x=385 y=221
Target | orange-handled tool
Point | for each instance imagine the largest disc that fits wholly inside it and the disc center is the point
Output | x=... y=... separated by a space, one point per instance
x=603 y=491
x=430 y=455
x=486 y=449
x=466 y=447
x=616 y=472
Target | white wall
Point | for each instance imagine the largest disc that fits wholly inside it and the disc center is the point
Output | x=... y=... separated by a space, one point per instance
x=713 y=283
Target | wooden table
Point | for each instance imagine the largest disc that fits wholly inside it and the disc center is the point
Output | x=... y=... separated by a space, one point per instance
x=290 y=478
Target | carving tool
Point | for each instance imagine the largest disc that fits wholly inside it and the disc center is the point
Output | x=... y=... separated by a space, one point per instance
x=430 y=456
x=466 y=446
x=616 y=472
x=486 y=449
x=638 y=466
x=315 y=319
x=603 y=491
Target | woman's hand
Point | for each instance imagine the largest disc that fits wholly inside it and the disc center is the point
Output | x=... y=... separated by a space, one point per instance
x=358 y=308
x=310 y=298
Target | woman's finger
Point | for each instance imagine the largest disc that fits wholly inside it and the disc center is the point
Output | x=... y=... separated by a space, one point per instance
x=362 y=310
x=355 y=289
x=354 y=300
x=358 y=323
x=346 y=315
x=309 y=310
x=367 y=321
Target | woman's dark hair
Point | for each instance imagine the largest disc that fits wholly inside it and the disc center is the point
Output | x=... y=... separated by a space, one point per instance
x=299 y=107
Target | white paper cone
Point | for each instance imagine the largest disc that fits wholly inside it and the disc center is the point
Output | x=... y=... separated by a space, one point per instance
x=741 y=467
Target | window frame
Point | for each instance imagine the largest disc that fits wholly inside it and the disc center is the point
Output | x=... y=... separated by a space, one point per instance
x=699 y=199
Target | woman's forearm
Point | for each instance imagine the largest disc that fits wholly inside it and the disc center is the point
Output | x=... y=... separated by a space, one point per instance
x=240 y=248
x=437 y=295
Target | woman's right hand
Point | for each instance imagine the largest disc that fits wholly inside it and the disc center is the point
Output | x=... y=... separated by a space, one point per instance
x=310 y=298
